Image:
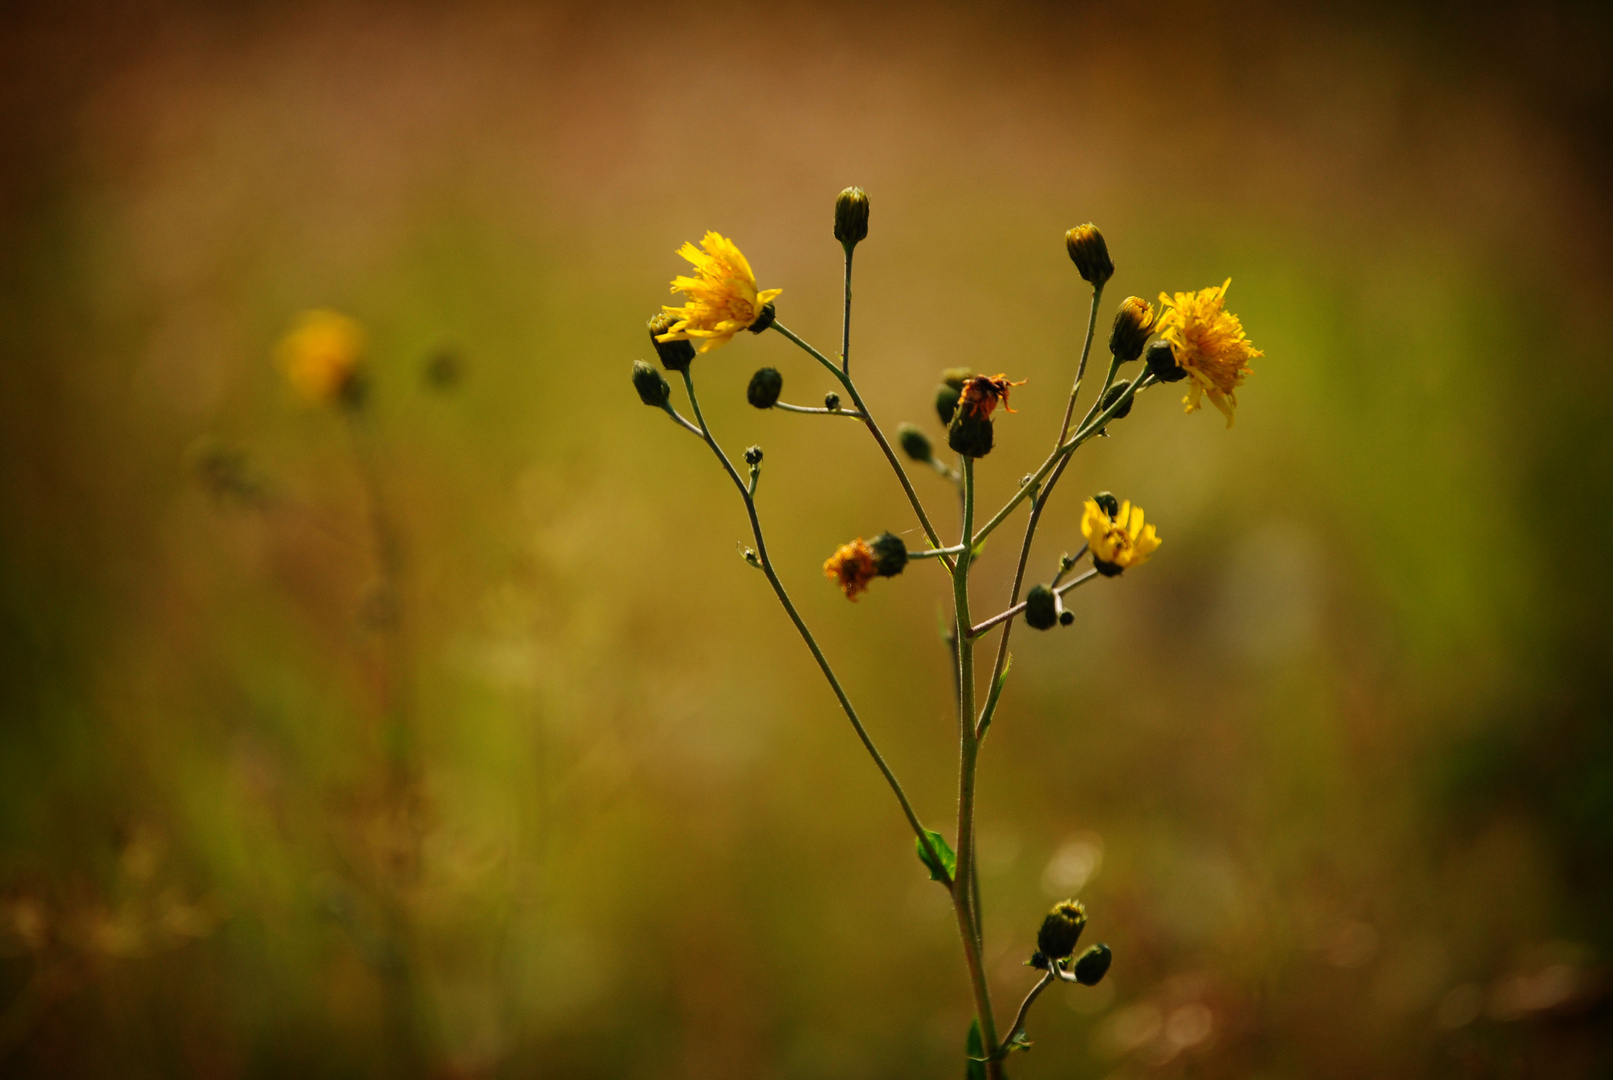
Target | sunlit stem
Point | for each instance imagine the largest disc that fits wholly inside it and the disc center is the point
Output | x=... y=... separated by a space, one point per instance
x=787 y=407
x=1043 y=493
x=879 y=436
x=1004 y=616
x=934 y=552
x=1066 y=565
x=969 y=748
x=806 y=635
x=1088 y=429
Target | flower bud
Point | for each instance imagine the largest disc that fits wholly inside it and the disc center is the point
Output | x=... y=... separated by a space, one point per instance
x=1115 y=393
x=956 y=377
x=652 y=388
x=946 y=401
x=674 y=355
x=765 y=319
x=1093 y=965
x=1066 y=617
x=1061 y=929
x=753 y=455
x=970 y=433
x=1161 y=361
x=831 y=401
x=915 y=443
x=765 y=387
x=1089 y=253
x=1133 y=323
x=890 y=554
x=1041 y=608
x=1108 y=503
x=851 y=217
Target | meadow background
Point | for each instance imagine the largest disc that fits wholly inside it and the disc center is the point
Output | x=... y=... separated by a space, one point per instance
x=1333 y=773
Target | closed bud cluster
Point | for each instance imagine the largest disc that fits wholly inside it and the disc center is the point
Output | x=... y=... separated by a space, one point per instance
x=851 y=217
x=1133 y=323
x=1090 y=254
x=890 y=554
x=652 y=388
x=765 y=387
x=1061 y=929
x=1162 y=363
x=674 y=355
x=1041 y=608
x=915 y=444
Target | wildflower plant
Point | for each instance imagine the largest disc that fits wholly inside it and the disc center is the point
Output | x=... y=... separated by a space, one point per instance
x=1197 y=340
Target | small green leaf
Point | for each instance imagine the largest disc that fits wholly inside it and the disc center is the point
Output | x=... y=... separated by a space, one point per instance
x=975 y=1050
x=996 y=692
x=949 y=861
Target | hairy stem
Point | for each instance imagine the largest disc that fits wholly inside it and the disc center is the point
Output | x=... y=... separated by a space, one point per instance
x=969 y=749
x=801 y=627
x=879 y=436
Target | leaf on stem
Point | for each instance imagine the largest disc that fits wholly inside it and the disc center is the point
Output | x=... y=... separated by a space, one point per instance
x=975 y=1050
x=949 y=861
x=996 y=692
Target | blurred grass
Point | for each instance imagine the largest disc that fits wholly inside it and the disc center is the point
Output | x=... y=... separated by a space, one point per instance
x=1335 y=765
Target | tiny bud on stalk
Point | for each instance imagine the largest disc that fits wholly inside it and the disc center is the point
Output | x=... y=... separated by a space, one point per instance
x=753 y=456
x=851 y=217
x=652 y=388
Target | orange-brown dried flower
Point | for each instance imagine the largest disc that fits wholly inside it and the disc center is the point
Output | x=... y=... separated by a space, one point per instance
x=852 y=567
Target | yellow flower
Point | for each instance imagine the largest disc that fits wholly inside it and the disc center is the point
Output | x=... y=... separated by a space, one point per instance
x=1117 y=542
x=721 y=301
x=1209 y=345
x=852 y=567
x=321 y=355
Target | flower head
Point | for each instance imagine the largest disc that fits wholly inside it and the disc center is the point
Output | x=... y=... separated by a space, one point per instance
x=1133 y=323
x=321 y=355
x=1209 y=345
x=852 y=567
x=721 y=300
x=981 y=394
x=1120 y=541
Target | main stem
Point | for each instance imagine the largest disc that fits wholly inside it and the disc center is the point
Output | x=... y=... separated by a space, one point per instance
x=963 y=893
x=801 y=627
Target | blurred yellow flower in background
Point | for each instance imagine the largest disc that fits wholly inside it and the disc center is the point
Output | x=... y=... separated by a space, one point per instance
x=722 y=300
x=1209 y=345
x=1120 y=541
x=321 y=355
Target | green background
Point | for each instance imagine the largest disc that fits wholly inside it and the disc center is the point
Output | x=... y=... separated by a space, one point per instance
x=1333 y=773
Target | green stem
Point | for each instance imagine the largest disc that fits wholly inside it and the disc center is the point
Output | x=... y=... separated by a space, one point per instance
x=879 y=436
x=787 y=407
x=845 y=322
x=806 y=635
x=969 y=749
x=1037 y=504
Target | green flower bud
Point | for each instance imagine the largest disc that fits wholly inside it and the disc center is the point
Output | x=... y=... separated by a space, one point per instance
x=1066 y=618
x=1109 y=504
x=970 y=433
x=831 y=401
x=957 y=377
x=1089 y=253
x=1061 y=929
x=1115 y=393
x=915 y=443
x=946 y=401
x=851 y=217
x=1133 y=323
x=652 y=388
x=1093 y=965
x=1161 y=361
x=753 y=455
x=675 y=355
x=765 y=319
x=765 y=387
x=1041 y=608
x=890 y=554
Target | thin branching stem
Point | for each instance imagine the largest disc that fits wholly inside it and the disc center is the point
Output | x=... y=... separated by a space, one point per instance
x=1025 y=1006
x=806 y=635
x=931 y=553
x=879 y=436
x=1009 y=613
x=1037 y=505
x=845 y=322
x=816 y=411
x=969 y=749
